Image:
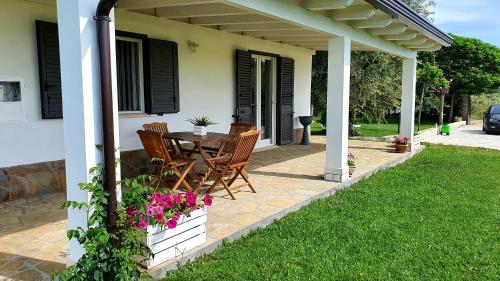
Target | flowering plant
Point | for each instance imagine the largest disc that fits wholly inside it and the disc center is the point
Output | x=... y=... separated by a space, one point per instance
x=165 y=209
x=351 y=159
x=401 y=140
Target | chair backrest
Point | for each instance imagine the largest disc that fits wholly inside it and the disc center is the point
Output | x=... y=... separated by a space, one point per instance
x=158 y=127
x=155 y=146
x=244 y=146
x=235 y=131
x=161 y=128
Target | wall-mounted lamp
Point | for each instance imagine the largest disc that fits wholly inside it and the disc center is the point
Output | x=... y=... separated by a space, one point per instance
x=193 y=46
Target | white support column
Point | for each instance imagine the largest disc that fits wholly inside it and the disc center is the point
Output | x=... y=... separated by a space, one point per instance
x=81 y=103
x=337 y=130
x=407 y=122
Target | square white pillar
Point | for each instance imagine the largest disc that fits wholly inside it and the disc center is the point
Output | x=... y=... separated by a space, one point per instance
x=337 y=108
x=407 y=121
x=81 y=103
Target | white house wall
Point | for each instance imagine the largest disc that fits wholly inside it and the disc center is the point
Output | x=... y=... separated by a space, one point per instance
x=206 y=79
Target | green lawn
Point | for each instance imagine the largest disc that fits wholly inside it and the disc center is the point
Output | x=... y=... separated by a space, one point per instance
x=380 y=130
x=436 y=217
x=374 y=130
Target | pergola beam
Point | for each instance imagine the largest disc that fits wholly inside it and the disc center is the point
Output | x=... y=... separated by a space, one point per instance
x=147 y=4
x=420 y=39
x=326 y=4
x=407 y=35
x=206 y=10
x=302 y=32
x=395 y=28
x=294 y=38
x=427 y=45
x=354 y=13
x=436 y=47
x=259 y=27
x=373 y=22
x=235 y=19
x=316 y=42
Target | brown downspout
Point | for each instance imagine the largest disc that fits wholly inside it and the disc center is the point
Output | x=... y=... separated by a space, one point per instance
x=102 y=18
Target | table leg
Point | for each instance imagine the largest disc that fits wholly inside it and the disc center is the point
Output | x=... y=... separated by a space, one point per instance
x=204 y=176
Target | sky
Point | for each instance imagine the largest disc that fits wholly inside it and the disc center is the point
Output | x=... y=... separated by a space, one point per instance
x=470 y=18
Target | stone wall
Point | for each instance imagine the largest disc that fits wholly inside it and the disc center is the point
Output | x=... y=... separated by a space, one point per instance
x=49 y=177
x=33 y=179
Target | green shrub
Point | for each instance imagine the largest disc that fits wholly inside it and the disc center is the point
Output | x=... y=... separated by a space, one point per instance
x=481 y=103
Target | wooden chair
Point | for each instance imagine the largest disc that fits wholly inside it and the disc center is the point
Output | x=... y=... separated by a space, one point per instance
x=227 y=168
x=162 y=128
x=162 y=159
x=228 y=147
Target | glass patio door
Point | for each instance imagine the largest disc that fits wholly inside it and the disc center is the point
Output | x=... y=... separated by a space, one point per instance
x=264 y=96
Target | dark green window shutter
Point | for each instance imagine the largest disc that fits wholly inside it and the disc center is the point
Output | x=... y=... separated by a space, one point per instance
x=49 y=70
x=162 y=92
x=286 y=72
x=245 y=109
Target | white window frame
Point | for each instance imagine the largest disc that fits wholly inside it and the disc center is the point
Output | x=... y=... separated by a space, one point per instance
x=141 y=76
x=14 y=110
x=272 y=140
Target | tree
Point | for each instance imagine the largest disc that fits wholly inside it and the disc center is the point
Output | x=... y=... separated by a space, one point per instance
x=375 y=79
x=375 y=85
x=472 y=66
x=423 y=7
x=431 y=76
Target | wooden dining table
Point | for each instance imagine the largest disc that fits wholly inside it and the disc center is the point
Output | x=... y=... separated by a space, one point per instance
x=200 y=142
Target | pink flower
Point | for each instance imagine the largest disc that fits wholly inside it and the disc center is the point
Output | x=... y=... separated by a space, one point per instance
x=178 y=198
x=142 y=223
x=131 y=210
x=159 y=217
x=171 y=223
x=208 y=200
x=190 y=199
x=149 y=211
x=169 y=203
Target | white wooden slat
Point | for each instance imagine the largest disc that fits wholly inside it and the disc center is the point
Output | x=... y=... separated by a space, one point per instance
x=326 y=4
x=179 y=229
x=172 y=241
x=233 y=19
x=146 y=4
x=216 y=9
x=354 y=13
x=373 y=22
x=177 y=250
x=259 y=27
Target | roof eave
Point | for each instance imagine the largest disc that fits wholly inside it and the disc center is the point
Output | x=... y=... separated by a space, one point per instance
x=410 y=17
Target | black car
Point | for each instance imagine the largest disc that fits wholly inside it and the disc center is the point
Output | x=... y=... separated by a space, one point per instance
x=491 y=120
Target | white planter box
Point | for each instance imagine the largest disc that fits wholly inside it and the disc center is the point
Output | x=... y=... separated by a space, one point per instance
x=416 y=140
x=199 y=130
x=169 y=243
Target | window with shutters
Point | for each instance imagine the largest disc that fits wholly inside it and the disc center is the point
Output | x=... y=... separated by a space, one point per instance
x=129 y=73
x=147 y=73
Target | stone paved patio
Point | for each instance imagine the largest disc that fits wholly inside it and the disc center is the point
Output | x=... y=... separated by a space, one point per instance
x=32 y=231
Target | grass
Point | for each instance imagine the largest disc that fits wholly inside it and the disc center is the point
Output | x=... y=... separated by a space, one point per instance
x=380 y=130
x=374 y=130
x=435 y=217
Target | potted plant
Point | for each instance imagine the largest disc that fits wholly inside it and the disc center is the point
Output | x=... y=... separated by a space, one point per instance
x=351 y=163
x=200 y=125
x=401 y=144
x=173 y=222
